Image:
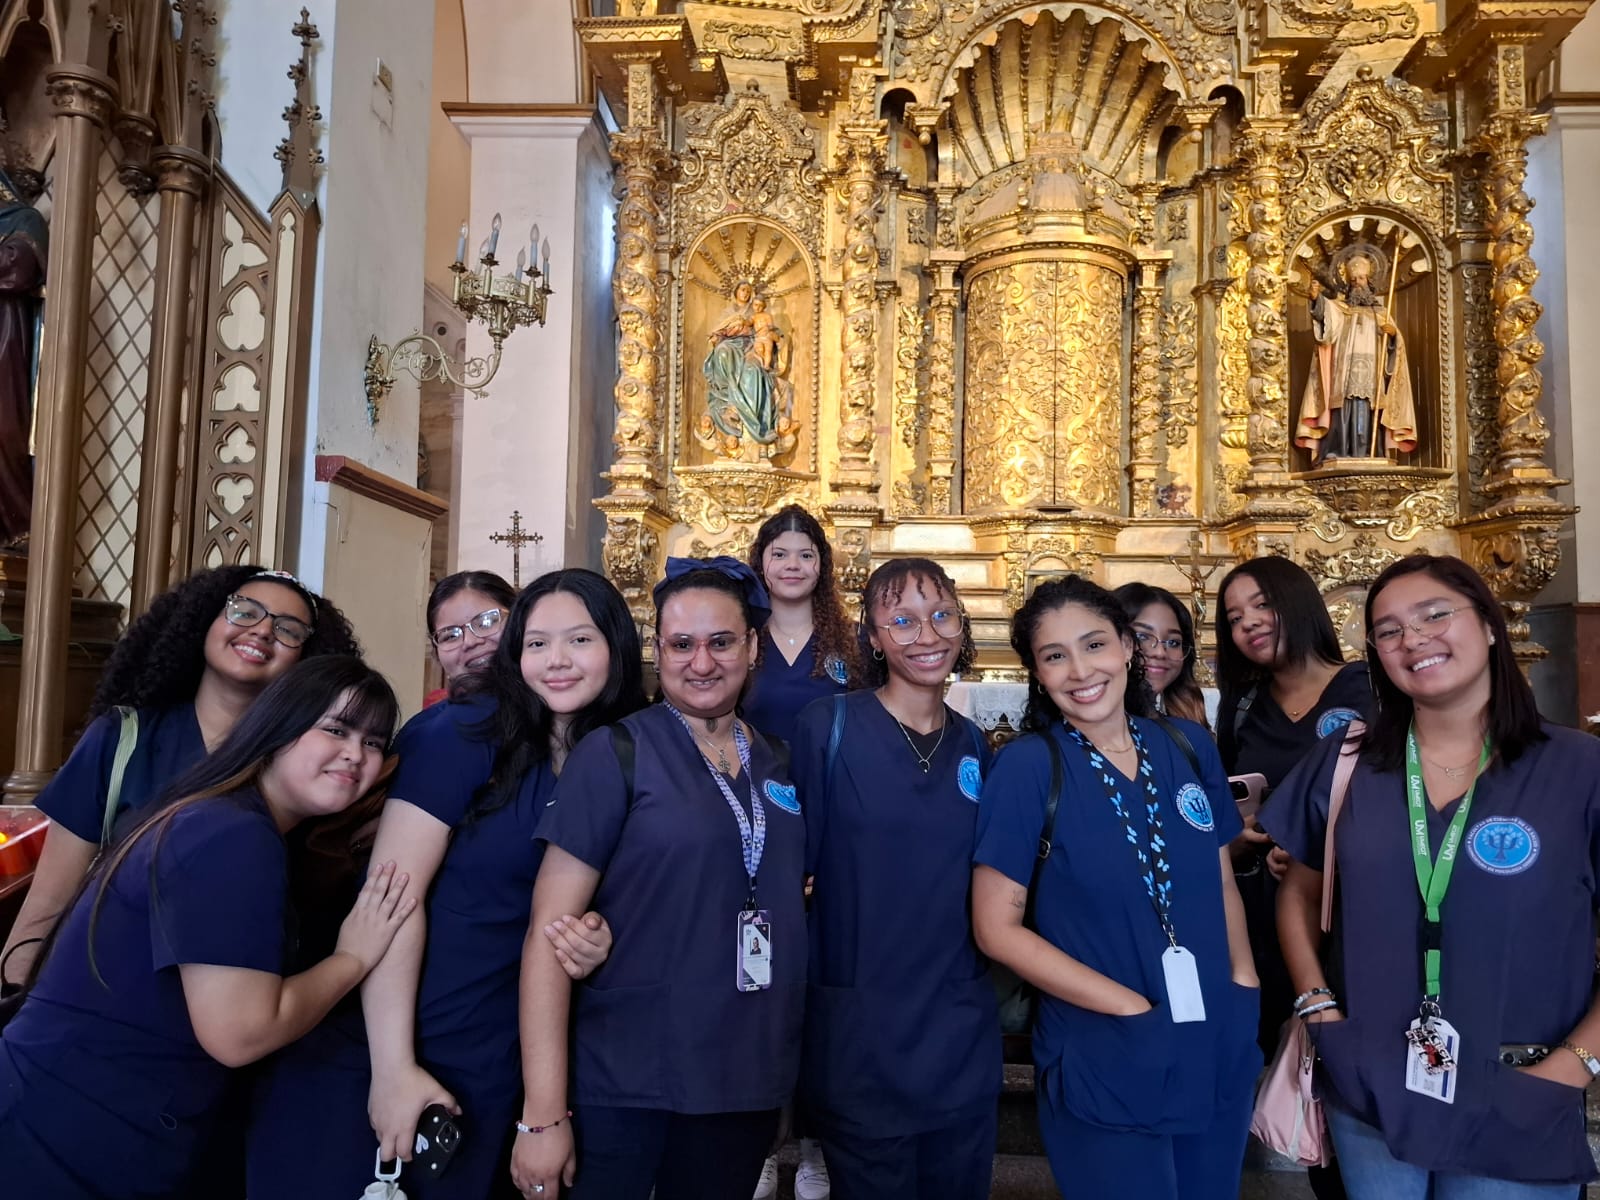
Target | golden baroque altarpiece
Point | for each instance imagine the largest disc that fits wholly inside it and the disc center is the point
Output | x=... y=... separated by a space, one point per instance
x=1030 y=287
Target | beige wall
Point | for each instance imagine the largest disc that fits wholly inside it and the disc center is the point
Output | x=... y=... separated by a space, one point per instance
x=449 y=156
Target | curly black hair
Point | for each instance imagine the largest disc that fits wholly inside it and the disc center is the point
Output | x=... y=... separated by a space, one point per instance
x=160 y=659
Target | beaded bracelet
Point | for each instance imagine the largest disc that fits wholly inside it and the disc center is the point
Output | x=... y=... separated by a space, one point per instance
x=521 y=1128
x=1303 y=1013
x=1304 y=996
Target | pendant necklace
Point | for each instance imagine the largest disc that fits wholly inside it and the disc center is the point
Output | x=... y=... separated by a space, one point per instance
x=923 y=761
x=793 y=641
x=723 y=764
x=1453 y=772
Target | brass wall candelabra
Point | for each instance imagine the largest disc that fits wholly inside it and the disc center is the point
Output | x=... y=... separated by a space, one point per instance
x=499 y=302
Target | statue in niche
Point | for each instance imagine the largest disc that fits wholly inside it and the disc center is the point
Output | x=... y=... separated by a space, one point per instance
x=749 y=404
x=24 y=251
x=1359 y=373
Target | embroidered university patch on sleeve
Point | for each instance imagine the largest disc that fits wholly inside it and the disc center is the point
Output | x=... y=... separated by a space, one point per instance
x=1194 y=806
x=970 y=778
x=782 y=795
x=1334 y=720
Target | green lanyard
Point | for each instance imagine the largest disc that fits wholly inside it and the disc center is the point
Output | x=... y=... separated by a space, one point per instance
x=1433 y=878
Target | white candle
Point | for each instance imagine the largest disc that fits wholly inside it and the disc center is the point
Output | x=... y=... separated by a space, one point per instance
x=522 y=261
x=494 y=234
x=461 y=243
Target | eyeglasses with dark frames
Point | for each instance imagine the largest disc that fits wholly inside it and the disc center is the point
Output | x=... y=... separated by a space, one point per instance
x=246 y=613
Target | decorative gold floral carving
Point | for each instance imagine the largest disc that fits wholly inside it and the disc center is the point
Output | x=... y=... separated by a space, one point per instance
x=1145 y=393
x=1361 y=562
x=1482 y=386
x=630 y=551
x=737 y=39
x=942 y=394
x=1375 y=143
x=1180 y=352
x=864 y=145
x=723 y=492
x=1517 y=561
x=1233 y=369
x=748 y=154
x=1429 y=509
x=1043 y=354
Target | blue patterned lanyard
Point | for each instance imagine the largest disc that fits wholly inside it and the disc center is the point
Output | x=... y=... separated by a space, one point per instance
x=752 y=839
x=1154 y=867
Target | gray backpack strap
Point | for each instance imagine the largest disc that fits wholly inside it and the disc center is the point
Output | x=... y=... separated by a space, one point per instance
x=127 y=741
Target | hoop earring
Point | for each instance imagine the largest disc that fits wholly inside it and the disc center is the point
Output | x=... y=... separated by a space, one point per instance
x=877 y=654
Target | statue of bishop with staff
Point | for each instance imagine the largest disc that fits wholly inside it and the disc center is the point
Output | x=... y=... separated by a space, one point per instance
x=1359 y=371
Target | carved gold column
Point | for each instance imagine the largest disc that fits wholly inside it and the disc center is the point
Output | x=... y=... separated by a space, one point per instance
x=863 y=145
x=942 y=390
x=1516 y=543
x=83 y=99
x=642 y=157
x=634 y=515
x=1265 y=145
x=182 y=177
x=1145 y=394
x=1519 y=476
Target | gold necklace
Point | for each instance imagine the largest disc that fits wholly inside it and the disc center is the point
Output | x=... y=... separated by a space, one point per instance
x=925 y=762
x=773 y=625
x=1452 y=772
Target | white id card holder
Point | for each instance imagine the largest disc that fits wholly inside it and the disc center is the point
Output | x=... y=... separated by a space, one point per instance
x=755 y=950
x=1428 y=1071
x=1184 y=1000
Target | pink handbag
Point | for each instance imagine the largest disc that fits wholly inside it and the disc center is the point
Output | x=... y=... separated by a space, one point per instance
x=1288 y=1115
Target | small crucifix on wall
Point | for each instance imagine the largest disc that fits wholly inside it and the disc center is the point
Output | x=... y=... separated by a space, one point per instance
x=516 y=537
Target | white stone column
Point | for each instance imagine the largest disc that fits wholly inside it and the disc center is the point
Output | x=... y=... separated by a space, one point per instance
x=536 y=442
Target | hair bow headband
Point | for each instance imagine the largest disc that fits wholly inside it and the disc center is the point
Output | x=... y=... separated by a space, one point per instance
x=289 y=580
x=755 y=594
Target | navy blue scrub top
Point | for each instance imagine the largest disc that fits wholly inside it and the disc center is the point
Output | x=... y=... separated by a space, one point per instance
x=478 y=906
x=119 y=1059
x=1145 y=1072
x=780 y=690
x=662 y=1025
x=1517 y=955
x=902 y=1031
x=169 y=744
x=1270 y=744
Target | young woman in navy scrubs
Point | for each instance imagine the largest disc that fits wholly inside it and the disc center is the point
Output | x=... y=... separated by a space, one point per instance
x=1164 y=631
x=1456 y=757
x=475 y=775
x=687 y=1042
x=189 y=667
x=466 y=616
x=1144 y=1041
x=808 y=647
x=901 y=1073
x=1285 y=688
x=168 y=970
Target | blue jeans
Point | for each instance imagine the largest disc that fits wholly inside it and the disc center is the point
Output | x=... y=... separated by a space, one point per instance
x=1372 y=1173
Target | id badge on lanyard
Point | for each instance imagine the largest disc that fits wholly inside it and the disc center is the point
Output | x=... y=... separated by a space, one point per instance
x=1179 y=969
x=753 y=943
x=1433 y=1047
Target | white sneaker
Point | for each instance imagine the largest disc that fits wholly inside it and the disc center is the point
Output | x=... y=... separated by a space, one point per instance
x=767 y=1185
x=811 y=1180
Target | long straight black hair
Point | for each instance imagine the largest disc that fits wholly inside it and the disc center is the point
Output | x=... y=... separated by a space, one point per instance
x=1041 y=713
x=1513 y=716
x=521 y=727
x=1304 y=628
x=286 y=709
x=1182 y=697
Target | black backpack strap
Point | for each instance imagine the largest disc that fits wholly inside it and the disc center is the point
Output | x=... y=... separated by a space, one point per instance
x=1184 y=744
x=1242 y=709
x=622 y=746
x=835 y=736
x=1047 y=835
x=978 y=743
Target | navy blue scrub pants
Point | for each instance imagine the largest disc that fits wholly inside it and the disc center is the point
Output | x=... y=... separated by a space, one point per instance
x=952 y=1163
x=1090 y=1162
x=625 y=1152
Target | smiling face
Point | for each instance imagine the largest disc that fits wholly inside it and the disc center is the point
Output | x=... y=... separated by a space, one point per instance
x=704 y=649
x=1082 y=663
x=473 y=650
x=791 y=566
x=1445 y=667
x=1252 y=621
x=928 y=660
x=1160 y=625
x=323 y=771
x=253 y=657
x=565 y=659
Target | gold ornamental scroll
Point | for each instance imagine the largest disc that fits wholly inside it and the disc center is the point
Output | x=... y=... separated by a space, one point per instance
x=1044 y=355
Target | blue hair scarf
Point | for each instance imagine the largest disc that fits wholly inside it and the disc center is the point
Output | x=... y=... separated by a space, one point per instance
x=755 y=595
